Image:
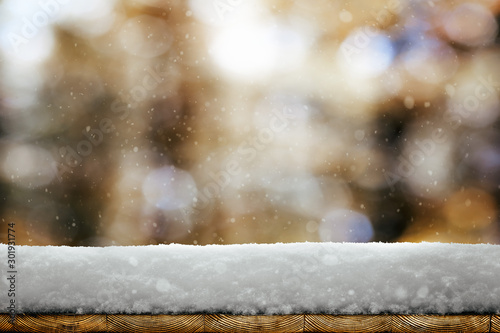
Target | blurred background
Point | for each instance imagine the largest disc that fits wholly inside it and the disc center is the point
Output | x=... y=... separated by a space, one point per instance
x=236 y=121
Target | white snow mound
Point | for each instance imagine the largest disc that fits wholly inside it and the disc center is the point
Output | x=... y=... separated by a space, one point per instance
x=336 y=278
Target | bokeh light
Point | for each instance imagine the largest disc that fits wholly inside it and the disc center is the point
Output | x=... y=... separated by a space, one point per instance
x=471 y=24
x=366 y=52
x=168 y=188
x=343 y=225
x=218 y=122
x=28 y=166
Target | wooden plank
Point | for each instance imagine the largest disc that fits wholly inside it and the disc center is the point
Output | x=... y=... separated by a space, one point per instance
x=495 y=324
x=351 y=323
x=233 y=323
x=437 y=323
x=60 y=323
x=5 y=325
x=155 y=323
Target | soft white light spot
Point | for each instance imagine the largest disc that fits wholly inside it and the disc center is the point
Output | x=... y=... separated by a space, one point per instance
x=345 y=16
x=409 y=102
x=145 y=36
x=366 y=52
x=28 y=166
x=342 y=225
x=450 y=90
x=244 y=51
x=219 y=13
x=312 y=226
x=471 y=24
x=359 y=135
x=89 y=18
x=430 y=60
x=169 y=188
x=253 y=51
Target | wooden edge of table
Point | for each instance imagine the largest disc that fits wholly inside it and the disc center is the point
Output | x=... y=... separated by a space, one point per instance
x=259 y=323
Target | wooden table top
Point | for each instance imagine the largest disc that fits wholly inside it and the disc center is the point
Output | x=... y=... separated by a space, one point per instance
x=259 y=323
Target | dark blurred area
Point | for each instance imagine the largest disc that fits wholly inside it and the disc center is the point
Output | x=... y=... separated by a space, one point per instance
x=234 y=121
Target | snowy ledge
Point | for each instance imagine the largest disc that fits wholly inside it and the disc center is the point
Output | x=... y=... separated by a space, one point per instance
x=252 y=279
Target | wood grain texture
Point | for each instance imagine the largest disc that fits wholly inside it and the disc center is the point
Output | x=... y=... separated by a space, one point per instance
x=435 y=323
x=495 y=323
x=60 y=323
x=155 y=323
x=338 y=323
x=5 y=325
x=231 y=323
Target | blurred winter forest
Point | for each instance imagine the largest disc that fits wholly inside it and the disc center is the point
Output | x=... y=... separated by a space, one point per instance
x=236 y=121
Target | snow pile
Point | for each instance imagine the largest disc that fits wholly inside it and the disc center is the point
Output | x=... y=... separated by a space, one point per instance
x=257 y=278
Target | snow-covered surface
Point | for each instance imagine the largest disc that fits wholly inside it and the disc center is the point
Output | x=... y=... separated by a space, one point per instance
x=258 y=278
